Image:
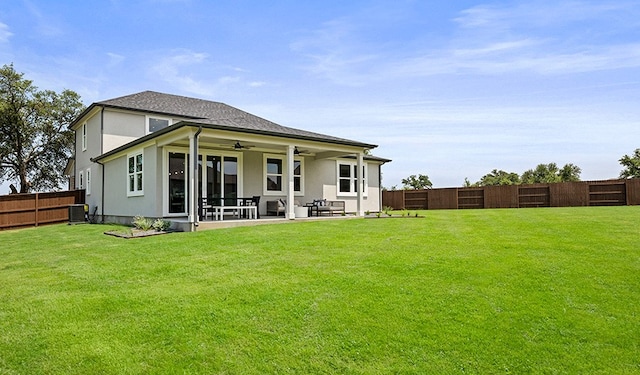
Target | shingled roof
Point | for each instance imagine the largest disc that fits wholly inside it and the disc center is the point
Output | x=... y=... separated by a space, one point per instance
x=206 y=112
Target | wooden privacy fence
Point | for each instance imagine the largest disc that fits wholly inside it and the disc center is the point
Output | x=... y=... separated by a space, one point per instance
x=23 y=210
x=563 y=194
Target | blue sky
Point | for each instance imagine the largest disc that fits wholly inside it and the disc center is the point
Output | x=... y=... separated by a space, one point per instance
x=451 y=89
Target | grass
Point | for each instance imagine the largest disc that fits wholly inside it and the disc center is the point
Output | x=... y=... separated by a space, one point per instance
x=541 y=291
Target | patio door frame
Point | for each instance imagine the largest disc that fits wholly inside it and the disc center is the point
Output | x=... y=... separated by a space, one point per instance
x=202 y=179
x=222 y=155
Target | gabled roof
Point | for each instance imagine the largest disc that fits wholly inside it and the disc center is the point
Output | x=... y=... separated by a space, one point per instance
x=206 y=112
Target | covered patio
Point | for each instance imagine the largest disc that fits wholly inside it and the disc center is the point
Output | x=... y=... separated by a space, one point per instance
x=233 y=167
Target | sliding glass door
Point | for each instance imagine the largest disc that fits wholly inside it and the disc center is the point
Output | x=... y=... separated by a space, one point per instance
x=219 y=179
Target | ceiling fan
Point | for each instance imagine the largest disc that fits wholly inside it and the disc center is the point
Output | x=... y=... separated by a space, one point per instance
x=300 y=152
x=237 y=146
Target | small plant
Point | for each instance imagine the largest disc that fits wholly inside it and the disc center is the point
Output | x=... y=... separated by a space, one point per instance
x=367 y=212
x=161 y=225
x=142 y=223
x=378 y=214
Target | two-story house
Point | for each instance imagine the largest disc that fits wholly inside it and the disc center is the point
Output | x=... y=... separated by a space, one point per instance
x=134 y=156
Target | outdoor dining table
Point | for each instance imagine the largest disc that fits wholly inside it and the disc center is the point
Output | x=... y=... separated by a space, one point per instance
x=217 y=206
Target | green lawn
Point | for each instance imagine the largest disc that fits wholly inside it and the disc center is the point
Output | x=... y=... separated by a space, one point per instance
x=541 y=291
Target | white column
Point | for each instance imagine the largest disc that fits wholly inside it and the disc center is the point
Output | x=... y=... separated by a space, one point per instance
x=191 y=184
x=360 y=184
x=290 y=192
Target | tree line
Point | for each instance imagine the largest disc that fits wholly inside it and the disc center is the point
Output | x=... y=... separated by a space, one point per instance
x=542 y=173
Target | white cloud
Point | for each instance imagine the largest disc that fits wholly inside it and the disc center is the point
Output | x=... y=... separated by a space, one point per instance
x=5 y=34
x=45 y=24
x=530 y=37
x=114 y=59
x=334 y=52
x=171 y=70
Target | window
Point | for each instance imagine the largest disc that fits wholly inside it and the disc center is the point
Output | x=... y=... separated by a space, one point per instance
x=88 y=181
x=84 y=137
x=274 y=175
x=297 y=176
x=348 y=178
x=134 y=174
x=154 y=124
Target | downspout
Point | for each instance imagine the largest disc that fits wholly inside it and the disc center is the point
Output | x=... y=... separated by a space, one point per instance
x=101 y=151
x=380 y=187
x=101 y=193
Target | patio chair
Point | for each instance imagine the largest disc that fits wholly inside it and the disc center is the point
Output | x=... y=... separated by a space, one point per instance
x=276 y=207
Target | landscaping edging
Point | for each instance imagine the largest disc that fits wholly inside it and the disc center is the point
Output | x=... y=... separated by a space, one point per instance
x=135 y=233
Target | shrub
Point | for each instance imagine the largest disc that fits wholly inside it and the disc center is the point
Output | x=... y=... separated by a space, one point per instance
x=142 y=223
x=161 y=225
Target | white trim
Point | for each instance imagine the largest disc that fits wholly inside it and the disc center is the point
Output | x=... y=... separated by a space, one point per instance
x=283 y=183
x=81 y=179
x=84 y=136
x=149 y=117
x=137 y=190
x=352 y=180
x=202 y=178
x=88 y=188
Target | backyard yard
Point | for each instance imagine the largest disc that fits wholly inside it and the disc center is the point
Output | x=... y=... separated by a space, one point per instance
x=549 y=291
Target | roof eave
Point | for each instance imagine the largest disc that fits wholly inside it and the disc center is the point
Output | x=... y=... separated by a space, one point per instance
x=183 y=124
x=344 y=142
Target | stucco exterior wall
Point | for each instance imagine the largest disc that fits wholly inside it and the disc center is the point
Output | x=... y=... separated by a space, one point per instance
x=83 y=161
x=121 y=128
x=253 y=178
x=117 y=203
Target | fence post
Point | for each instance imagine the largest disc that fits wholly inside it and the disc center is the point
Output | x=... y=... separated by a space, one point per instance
x=404 y=200
x=36 y=209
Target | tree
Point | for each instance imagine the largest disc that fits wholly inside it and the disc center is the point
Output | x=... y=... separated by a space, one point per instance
x=550 y=173
x=499 y=177
x=631 y=165
x=35 y=143
x=420 y=182
x=570 y=173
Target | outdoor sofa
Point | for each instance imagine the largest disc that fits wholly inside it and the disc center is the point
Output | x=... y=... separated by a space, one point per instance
x=323 y=206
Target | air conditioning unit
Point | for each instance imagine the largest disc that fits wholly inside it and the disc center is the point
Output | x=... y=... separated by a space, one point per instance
x=76 y=214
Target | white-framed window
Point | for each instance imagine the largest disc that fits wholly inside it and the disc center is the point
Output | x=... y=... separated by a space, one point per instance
x=88 y=188
x=156 y=123
x=274 y=172
x=81 y=180
x=347 y=177
x=84 y=137
x=135 y=167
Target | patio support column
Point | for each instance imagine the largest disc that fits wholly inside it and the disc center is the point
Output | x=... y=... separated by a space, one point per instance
x=290 y=186
x=360 y=184
x=193 y=180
